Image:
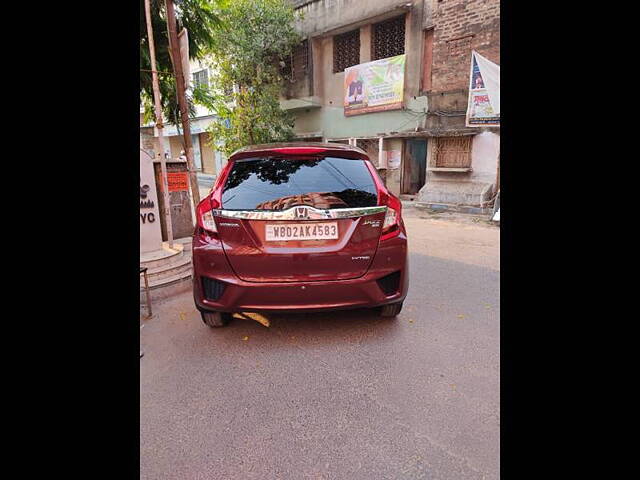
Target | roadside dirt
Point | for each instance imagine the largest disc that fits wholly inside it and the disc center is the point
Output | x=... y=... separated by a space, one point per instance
x=469 y=239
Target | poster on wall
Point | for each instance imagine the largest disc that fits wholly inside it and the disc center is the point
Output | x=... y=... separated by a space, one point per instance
x=483 y=108
x=178 y=181
x=374 y=86
x=393 y=159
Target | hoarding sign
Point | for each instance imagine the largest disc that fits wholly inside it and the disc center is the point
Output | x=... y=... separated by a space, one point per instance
x=483 y=108
x=374 y=86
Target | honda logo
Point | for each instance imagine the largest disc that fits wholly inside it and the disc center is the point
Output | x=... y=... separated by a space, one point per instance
x=301 y=213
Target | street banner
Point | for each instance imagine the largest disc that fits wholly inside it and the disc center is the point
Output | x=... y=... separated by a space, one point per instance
x=374 y=86
x=483 y=108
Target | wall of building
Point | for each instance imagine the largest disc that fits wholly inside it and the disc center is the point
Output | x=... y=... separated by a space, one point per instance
x=323 y=16
x=393 y=175
x=333 y=124
x=459 y=26
x=324 y=19
x=485 y=149
x=208 y=154
x=147 y=139
x=462 y=26
x=468 y=188
x=176 y=146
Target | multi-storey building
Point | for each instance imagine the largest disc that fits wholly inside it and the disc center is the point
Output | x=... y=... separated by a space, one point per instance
x=420 y=143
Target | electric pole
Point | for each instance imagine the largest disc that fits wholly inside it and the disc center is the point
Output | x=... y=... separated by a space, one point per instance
x=176 y=60
x=159 y=140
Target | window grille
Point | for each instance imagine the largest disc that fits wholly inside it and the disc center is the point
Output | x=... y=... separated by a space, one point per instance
x=368 y=144
x=371 y=146
x=201 y=79
x=346 y=50
x=453 y=152
x=297 y=65
x=388 y=38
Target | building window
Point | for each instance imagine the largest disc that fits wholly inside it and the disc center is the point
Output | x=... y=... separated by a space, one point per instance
x=297 y=65
x=427 y=60
x=346 y=50
x=201 y=79
x=371 y=146
x=368 y=144
x=388 y=38
x=452 y=152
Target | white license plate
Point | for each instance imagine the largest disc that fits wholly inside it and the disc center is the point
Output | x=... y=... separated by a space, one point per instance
x=301 y=231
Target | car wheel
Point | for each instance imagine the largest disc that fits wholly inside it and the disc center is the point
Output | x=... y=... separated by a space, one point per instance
x=215 y=319
x=391 y=310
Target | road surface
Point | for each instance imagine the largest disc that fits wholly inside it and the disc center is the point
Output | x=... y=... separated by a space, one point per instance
x=342 y=395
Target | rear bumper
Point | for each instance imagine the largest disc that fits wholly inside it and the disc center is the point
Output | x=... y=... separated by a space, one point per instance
x=363 y=292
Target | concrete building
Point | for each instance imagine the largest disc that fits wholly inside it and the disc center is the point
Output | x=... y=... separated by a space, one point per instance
x=421 y=144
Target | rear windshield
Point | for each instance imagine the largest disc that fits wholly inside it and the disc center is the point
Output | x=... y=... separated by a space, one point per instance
x=279 y=183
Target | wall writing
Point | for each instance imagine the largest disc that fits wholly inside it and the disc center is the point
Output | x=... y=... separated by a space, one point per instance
x=146 y=203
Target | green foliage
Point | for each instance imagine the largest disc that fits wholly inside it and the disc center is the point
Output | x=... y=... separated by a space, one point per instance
x=201 y=19
x=248 y=55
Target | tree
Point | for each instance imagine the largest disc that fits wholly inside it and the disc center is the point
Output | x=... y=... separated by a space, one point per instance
x=201 y=19
x=248 y=56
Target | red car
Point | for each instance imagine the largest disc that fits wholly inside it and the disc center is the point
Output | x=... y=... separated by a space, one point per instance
x=298 y=226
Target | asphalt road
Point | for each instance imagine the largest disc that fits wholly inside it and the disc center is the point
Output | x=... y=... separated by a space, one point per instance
x=342 y=395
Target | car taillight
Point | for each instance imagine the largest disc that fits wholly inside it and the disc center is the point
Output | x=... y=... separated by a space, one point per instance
x=205 y=215
x=391 y=225
x=389 y=219
x=208 y=223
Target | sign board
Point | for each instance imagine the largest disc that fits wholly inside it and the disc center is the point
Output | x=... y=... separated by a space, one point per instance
x=178 y=181
x=374 y=86
x=483 y=108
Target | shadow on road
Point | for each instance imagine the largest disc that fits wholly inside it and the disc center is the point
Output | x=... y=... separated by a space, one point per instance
x=338 y=327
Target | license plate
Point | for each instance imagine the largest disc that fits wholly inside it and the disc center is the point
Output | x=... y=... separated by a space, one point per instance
x=301 y=231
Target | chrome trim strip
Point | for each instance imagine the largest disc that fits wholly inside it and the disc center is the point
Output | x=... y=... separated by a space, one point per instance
x=290 y=214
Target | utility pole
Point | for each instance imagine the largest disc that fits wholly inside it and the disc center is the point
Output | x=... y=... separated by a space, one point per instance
x=176 y=60
x=159 y=140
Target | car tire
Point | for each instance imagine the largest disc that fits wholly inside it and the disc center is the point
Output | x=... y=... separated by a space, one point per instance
x=216 y=319
x=391 y=310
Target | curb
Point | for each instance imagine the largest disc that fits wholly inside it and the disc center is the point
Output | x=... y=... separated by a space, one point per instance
x=446 y=207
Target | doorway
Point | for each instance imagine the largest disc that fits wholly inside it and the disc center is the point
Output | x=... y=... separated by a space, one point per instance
x=414 y=168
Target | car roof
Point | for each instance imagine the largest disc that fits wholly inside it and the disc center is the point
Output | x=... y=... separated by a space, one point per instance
x=346 y=151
